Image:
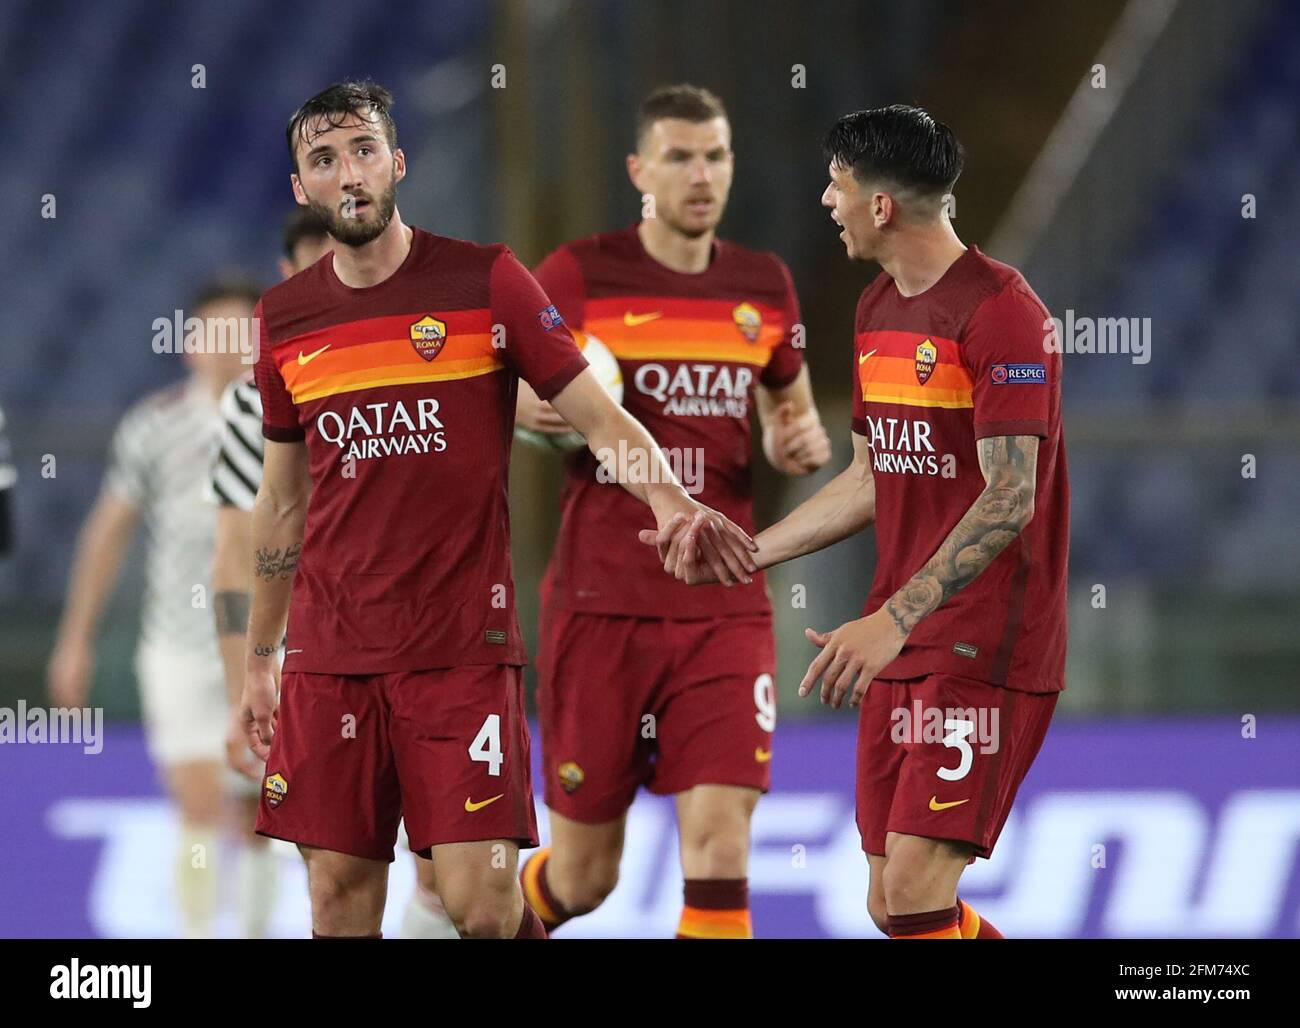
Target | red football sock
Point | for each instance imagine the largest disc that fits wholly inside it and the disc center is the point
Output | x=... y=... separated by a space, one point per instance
x=537 y=891
x=973 y=926
x=932 y=924
x=716 y=908
x=531 y=926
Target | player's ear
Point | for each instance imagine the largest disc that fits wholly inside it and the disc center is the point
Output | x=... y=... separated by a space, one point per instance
x=882 y=209
x=286 y=268
x=634 y=170
x=399 y=164
x=298 y=193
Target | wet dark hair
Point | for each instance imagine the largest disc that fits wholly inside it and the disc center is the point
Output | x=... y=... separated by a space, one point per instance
x=299 y=224
x=684 y=101
x=336 y=104
x=898 y=144
x=229 y=285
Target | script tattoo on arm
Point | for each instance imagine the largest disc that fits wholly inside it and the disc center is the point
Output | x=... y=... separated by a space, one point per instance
x=283 y=563
x=997 y=516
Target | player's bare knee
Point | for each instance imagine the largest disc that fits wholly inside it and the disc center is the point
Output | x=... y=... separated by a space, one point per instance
x=903 y=882
x=717 y=850
x=592 y=887
x=488 y=916
x=879 y=911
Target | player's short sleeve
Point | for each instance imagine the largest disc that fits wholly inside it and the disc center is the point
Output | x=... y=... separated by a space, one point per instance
x=279 y=415
x=538 y=344
x=560 y=276
x=787 y=359
x=1015 y=375
x=131 y=458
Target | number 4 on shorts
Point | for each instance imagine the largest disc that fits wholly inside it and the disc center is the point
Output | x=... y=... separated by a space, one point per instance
x=487 y=745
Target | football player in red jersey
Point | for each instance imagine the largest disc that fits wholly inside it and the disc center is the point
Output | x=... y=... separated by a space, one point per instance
x=388 y=373
x=642 y=680
x=959 y=461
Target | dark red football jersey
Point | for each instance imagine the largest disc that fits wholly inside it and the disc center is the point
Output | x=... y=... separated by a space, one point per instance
x=933 y=373
x=691 y=348
x=405 y=394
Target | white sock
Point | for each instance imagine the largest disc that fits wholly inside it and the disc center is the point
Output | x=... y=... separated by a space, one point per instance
x=197 y=880
x=425 y=917
x=258 y=877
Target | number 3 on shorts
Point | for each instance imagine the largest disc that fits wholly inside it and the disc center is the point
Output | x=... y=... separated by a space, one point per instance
x=955 y=733
x=487 y=745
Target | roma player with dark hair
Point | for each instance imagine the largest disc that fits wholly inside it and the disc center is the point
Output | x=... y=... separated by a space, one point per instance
x=959 y=462
x=381 y=534
x=641 y=680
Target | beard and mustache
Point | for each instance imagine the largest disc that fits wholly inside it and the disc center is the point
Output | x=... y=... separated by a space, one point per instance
x=352 y=231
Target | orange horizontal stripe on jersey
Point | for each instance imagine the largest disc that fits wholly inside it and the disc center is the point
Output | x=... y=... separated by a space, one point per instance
x=390 y=326
x=917 y=398
x=879 y=370
x=708 y=308
x=890 y=343
x=405 y=374
x=686 y=339
x=384 y=356
x=715 y=924
x=376 y=353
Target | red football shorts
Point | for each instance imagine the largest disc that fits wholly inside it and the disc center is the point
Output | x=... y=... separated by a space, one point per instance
x=626 y=702
x=353 y=754
x=942 y=757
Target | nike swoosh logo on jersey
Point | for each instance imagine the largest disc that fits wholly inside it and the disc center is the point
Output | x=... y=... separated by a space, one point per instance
x=866 y=356
x=471 y=806
x=632 y=320
x=936 y=805
x=762 y=755
x=308 y=358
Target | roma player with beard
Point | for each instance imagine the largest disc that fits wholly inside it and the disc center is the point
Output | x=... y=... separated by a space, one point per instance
x=704 y=330
x=388 y=375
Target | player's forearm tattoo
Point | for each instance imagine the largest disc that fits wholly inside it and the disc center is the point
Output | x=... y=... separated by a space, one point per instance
x=262 y=650
x=284 y=563
x=231 y=609
x=994 y=520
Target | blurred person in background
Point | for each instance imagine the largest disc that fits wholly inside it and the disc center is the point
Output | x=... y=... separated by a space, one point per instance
x=158 y=467
x=236 y=476
x=8 y=475
x=702 y=328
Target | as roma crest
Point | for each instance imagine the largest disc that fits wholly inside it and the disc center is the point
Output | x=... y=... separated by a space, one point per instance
x=926 y=356
x=275 y=788
x=748 y=320
x=428 y=335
